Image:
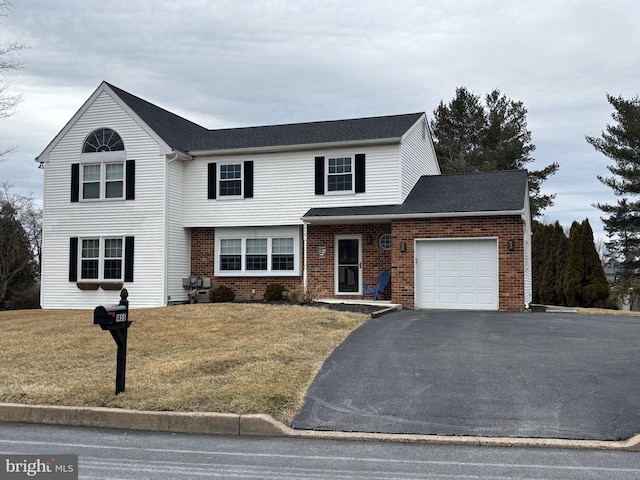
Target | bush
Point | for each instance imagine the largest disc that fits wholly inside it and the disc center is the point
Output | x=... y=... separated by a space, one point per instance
x=222 y=293
x=300 y=295
x=274 y=292
x=27 y=298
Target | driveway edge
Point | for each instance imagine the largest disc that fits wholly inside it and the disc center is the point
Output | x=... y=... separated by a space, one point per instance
x=262 y=425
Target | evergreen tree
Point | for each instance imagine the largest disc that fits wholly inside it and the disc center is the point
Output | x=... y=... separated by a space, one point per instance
x=595 y=290
x=621 y=143
x=562 y=251
x=573 y=270
x=470 y=136
x=539 y=246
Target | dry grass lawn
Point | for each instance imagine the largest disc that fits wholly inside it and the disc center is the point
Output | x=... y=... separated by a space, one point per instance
x=236 y=358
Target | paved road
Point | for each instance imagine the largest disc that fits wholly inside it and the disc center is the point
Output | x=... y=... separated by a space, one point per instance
x=491 y=374
x=116 y=455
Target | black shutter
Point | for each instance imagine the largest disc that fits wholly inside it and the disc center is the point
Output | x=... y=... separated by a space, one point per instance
x=212 y=178
x=248 y=179
x=360 y=172
x=130 y=167
x=319 y=175
x=73 y=259
x=128 y=259
x=75 y=182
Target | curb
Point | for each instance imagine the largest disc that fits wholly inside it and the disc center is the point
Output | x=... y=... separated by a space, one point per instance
x=263 y=426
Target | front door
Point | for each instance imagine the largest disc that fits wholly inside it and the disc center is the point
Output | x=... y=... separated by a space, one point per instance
x=348 y=278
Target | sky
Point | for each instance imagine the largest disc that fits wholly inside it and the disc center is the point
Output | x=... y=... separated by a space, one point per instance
x=244 y=63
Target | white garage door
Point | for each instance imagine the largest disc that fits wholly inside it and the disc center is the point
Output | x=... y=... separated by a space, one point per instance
x=457 y=274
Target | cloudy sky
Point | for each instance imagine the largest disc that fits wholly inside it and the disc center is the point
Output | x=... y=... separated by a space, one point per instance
x=245 y=63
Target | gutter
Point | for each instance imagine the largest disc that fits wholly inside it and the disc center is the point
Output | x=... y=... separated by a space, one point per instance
x=296 y=147
x=406 y=216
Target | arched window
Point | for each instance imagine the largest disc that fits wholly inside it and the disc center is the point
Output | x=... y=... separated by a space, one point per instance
x=103 y=140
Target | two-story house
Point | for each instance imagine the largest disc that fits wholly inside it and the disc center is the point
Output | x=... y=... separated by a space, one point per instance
x=138 y=197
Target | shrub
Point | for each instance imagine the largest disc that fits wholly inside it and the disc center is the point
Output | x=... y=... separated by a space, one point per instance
x=300 y=295
x=274 y=292
x=222 y=293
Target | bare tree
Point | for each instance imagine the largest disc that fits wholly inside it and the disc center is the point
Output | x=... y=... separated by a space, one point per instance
x=8 y=61
x=28 y=214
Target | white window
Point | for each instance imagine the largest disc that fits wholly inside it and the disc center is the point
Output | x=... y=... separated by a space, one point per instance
x=269 y=251
x=102 y=180
x=101 y=258
x=339 y=175
x=230 y=180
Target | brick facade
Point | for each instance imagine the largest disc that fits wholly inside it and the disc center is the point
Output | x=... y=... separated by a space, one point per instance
x=320 y=273
x=321 y=257
x=203 y=243
x=510 y=263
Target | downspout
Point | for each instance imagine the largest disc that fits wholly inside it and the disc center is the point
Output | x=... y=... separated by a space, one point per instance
x=304 y=266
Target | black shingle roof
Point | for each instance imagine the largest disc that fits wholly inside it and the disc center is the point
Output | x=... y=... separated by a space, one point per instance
x=501 y=191
x=186 y=136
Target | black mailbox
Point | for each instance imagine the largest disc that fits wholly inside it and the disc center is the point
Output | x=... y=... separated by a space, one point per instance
x=112 y=315
x=115 y=318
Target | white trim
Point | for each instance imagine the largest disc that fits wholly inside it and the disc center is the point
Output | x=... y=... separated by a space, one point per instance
x=351 y=219
x=352 y=167
x=293 y=148
x=258 y=232
x=101 y=258
x=336 y=282
x=219 y=181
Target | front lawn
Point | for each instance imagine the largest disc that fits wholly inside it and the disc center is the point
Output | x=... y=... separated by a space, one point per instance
x=234 y=358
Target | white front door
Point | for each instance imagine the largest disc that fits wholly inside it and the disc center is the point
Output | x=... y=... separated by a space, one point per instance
x=348 y=262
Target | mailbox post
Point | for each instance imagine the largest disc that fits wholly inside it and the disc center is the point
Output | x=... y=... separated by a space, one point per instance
x=115 y=318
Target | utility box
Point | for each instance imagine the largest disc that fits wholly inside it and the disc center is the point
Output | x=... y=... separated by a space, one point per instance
x=197 y=288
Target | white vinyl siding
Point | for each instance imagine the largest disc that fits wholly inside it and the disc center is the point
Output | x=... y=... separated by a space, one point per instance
x=142 y=218
x=417 y=156
x=283 y=187
x=178 y=238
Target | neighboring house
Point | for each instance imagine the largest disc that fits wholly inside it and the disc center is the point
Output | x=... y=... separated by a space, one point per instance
x=136 y=196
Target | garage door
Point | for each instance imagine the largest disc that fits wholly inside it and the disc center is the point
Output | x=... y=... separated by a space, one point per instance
x=457 y=274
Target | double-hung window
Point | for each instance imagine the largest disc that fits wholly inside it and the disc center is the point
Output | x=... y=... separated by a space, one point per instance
x=282 y=254
x=269 y=251
x=231 y=180
x=102 y=180
x=340 y=174
x=101 y=259
x=230 y=254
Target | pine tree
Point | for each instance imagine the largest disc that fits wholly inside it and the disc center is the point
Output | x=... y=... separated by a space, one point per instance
x=470 y=136
x=573 y=270
x=595 y=289
x=621 y=143
x=560 y=261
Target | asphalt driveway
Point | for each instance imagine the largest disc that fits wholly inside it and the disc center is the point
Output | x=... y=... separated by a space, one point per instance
x=539 y=375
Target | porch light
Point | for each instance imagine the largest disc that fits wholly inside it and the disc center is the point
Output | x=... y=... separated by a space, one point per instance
x=368 y=239
x=511 y=244
x=403 y=247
